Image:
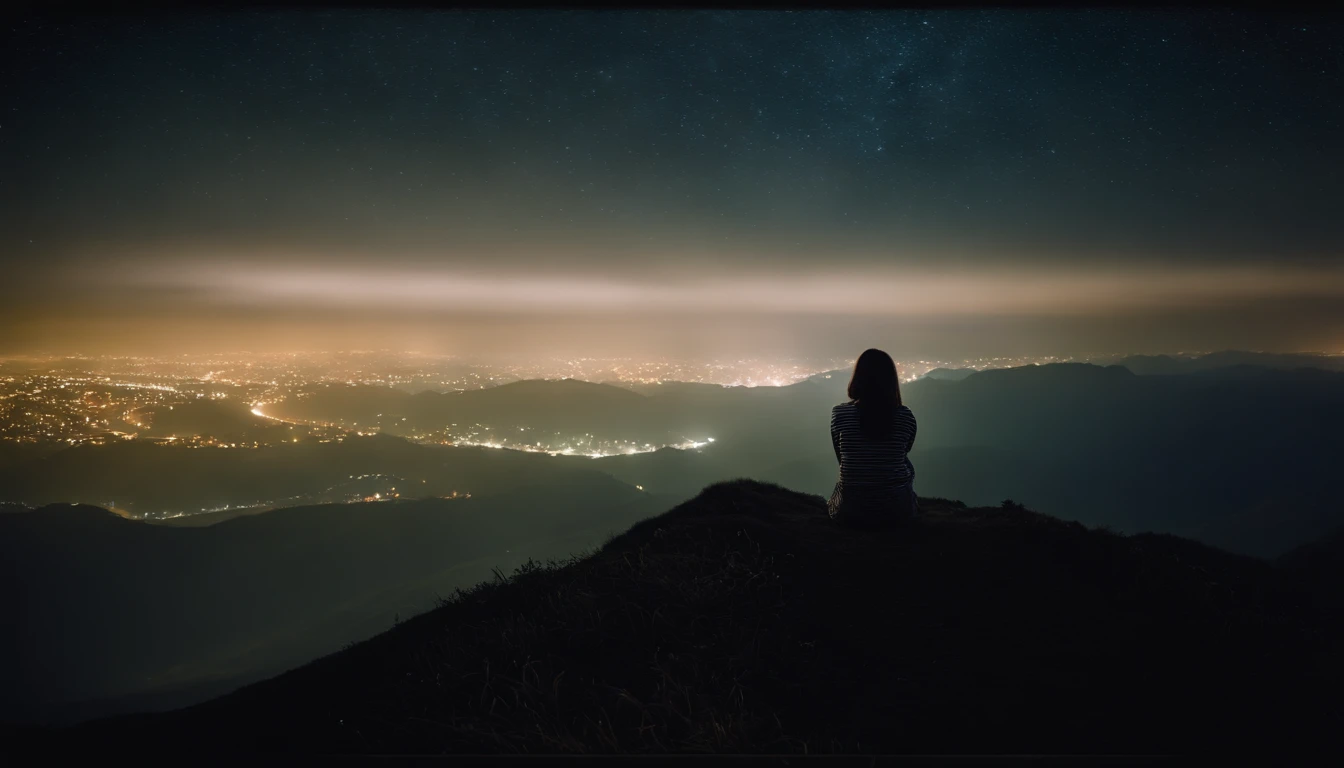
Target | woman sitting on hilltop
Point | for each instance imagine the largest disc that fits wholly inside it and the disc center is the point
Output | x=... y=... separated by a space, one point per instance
x=873 y=434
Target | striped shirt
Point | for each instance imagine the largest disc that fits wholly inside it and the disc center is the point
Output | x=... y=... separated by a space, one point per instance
x=881 y=463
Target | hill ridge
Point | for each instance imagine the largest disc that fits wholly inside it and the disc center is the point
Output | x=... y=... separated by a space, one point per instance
x=743 y=621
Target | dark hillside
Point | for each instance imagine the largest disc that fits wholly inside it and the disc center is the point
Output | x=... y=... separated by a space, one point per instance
x=568 y=406
x=948 y=374
x=1320 y=565
x=223 y=420
x=102 y=608
x=742 y=621
x=150 y=479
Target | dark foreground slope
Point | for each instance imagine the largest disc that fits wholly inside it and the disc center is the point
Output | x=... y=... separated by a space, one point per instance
x=743 y=621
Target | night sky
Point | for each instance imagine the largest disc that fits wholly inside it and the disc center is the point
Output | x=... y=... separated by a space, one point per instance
x=692 y=183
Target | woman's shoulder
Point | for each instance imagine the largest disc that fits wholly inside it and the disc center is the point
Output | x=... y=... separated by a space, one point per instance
x=844 y=412
x=904 y=412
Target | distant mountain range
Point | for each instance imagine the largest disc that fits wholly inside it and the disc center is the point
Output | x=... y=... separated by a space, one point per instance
x=1161 y=365
x=1167 y=365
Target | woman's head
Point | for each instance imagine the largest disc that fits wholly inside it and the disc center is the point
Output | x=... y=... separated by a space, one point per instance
x=874 y=381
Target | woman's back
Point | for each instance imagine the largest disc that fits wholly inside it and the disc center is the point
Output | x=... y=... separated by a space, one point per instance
x=879 y=460
x=873 y=434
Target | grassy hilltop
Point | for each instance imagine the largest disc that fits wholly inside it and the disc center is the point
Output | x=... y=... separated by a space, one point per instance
x=743 y=621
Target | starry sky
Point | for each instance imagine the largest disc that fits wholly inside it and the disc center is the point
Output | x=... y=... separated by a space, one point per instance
x=680 y=182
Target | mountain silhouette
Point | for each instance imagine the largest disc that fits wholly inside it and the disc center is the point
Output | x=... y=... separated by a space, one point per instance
x=744 y=621
x=1160 y=365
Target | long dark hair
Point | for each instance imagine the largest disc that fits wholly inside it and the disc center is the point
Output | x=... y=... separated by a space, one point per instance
x=877 y=389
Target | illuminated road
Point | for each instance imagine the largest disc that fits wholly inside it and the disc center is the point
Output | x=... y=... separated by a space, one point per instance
x=256 y=411
x=682 y=446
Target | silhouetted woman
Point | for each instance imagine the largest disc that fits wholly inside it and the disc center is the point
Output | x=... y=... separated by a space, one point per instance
x=873 y=434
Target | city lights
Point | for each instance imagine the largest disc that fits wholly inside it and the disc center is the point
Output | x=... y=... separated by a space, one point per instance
x=94 y=401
